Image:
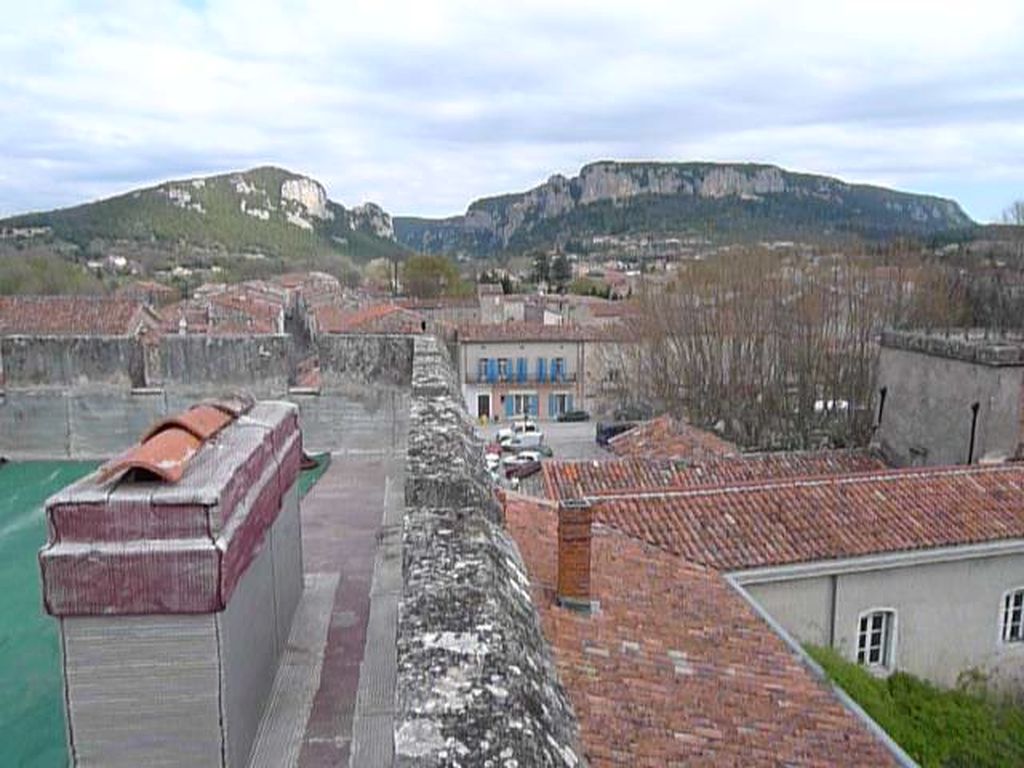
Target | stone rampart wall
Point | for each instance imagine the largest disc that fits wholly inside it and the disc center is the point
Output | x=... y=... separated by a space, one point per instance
x=476 y=682
x=93 y=397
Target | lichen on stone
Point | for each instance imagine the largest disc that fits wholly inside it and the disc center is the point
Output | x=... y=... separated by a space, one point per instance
x=476 y=682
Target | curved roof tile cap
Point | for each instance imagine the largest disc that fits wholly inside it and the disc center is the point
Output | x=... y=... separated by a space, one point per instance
x=167 y=446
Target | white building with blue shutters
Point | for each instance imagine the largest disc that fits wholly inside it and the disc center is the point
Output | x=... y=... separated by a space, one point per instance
x=523 y=369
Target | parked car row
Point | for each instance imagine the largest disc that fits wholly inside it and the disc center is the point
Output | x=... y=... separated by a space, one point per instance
x=518 y=452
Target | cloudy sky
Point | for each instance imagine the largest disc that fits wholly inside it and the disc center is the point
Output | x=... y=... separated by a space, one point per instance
x=424 y=106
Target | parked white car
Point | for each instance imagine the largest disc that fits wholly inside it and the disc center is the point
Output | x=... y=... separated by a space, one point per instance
x=518 y=459
x=524 y=440
x=523 y=426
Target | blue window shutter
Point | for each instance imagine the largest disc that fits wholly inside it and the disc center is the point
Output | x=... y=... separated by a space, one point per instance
x=492 y=370
x=508 y=406
x=521 y=369
x=541 y=365
x=554 y=369
x=533 y=403
x=568 y=403
x=551 y=407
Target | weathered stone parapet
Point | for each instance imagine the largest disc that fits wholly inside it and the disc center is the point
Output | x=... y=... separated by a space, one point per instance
x=364 y=359
x=969 y=346
x=476 y=683
x=445 y=465
x=434 y=372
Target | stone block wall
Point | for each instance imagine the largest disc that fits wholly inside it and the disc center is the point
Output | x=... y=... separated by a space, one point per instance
x=93 y=397
x=476 y=682
x=354 y=359
x=932 y=387
x=86 y=362
x=259 y=364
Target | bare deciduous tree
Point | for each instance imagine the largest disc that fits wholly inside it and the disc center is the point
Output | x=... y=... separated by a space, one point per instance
x=775 y=351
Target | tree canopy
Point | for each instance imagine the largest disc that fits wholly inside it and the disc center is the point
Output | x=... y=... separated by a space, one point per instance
x=430 y=277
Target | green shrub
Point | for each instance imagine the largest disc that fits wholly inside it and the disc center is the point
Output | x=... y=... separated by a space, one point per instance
x=941 y=728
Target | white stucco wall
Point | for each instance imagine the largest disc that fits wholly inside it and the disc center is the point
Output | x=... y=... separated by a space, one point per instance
x=948 y=615
x=470 y=354
x=927 y=415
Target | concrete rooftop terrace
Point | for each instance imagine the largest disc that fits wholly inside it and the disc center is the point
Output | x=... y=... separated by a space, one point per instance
x=433 y=656
x=339 y=710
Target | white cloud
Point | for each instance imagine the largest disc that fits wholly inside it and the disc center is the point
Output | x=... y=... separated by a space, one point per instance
x=425 y=106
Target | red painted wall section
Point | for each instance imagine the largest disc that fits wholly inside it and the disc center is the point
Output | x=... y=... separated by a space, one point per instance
x=123 y=546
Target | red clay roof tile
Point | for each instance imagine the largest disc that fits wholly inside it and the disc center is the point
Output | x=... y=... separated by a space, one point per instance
x=166 y=447
x=377 y=318
x=783 y=521
x=675 y=668
x=70 y=316
x=671 y=438
x=579 y=479
x=163 y=455
x=202 y=421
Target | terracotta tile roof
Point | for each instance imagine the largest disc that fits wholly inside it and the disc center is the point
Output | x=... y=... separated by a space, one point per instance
x=494 y=332
x=802 y=520
x=253 y=307
x=578 y=479
x=442 y=302
x=166 y=448
x=377 y=318
x=612 y=308
x=71 y=316
x=669 y=437
x=675 y=668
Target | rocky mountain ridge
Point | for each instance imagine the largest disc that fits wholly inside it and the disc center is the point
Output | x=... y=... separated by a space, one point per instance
x=738 y=200
x=264 y=211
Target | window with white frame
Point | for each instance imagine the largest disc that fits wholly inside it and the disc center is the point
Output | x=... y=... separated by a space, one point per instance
x=876 y=637
x=561 y=403
x=504 y=372
x=1013 y=616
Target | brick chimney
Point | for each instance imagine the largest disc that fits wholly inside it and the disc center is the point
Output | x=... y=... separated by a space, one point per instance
x=574 y=520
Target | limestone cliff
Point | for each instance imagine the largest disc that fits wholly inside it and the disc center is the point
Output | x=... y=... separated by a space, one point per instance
x=372 y=219
x=741 y=200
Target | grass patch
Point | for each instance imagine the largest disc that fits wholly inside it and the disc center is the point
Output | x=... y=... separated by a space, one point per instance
x=937 y=727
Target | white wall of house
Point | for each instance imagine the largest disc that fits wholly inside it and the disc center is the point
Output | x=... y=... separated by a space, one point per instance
x=948 y=614
x=927 y=412
x=568 y=391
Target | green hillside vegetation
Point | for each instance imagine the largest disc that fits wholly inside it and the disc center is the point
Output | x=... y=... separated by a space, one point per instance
x=44 y=273
x=939 y=728
x=774 y=217
x=211 y=219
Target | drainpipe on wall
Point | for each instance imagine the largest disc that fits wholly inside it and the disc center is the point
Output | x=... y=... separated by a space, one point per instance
x=974 y=428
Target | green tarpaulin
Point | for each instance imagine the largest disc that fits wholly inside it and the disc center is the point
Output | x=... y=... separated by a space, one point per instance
x=31 y=700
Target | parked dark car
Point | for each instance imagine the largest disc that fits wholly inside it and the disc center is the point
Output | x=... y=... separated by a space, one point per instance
x=607 y=430
x=523 y=471
x=574 y=416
